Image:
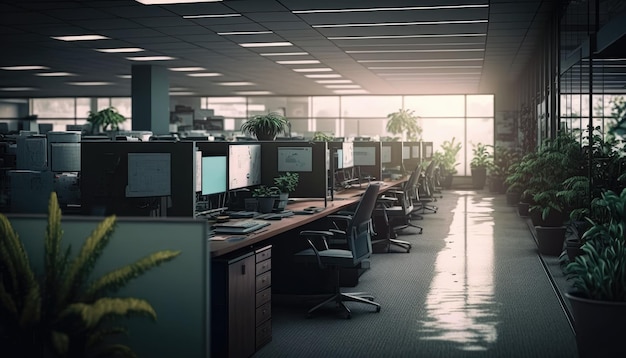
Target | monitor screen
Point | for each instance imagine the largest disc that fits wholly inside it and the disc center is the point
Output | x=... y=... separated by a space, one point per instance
x=295 y=159
x=65 y=157
x=244 y=165
x=214 y=173
x=364 y=156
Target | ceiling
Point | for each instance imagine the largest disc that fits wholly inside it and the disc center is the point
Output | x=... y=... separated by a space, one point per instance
x=406 y=47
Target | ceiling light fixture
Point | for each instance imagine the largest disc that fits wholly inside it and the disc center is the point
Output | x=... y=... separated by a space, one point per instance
x=235 y=83
x=266 y=44
x=80 y=38
x=172 y=2
x=54 y=74
x=323 y=75
x=350 y=91
x=313 y=69
x=210 y=16
x=441 y=7
x=120 y=50
x=419 y=67
x=420 y=23
x=245 y=33
x=184 y=93
x=187 y=69
x=420 y=51
x=342 y=86
x=17 y=89
x=125 y=76
x=424 y=60
x=333 y=81
x=204 y=74
x=252 y=93
x=406 y=36
x=284 y=54
x=298 y=62
x=90 y=83
x=24 y=68
x=150 y=58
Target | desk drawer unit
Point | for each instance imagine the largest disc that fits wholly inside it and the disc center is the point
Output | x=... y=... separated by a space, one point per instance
x=263 y=296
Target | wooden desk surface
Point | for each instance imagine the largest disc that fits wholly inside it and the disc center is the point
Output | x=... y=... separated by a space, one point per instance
x=219 y=245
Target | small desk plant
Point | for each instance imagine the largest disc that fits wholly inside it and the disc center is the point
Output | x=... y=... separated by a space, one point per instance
x=265 y=196
x=286 y=183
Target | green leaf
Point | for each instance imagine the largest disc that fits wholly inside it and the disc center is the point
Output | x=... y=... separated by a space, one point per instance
x=92 y=314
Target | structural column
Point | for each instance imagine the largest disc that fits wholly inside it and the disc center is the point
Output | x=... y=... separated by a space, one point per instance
x=150 y=99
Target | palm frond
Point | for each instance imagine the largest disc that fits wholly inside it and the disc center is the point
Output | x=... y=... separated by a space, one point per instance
x=92 y=314
x=31 y=311
x=118 y=278
x=52 y=243
x=83 y=264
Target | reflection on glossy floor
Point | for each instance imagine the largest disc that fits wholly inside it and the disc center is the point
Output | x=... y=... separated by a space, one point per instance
x=460 y=305
x=472 y=286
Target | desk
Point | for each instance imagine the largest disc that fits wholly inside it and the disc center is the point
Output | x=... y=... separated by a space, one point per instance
x=241 y=278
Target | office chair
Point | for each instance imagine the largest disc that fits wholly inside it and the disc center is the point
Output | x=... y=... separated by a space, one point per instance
x=427 y=187
x=359 y=248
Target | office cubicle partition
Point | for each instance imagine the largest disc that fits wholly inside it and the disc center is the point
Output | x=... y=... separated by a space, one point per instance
x=178 y=290
x=308 y=159
x=138 y=178
x=391 y=156
x=412 y=154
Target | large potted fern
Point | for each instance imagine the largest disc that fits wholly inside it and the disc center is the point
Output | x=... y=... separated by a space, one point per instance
x=64 y=313
x=265 y=126
x=405 y=123
x=105 y=119
x=599 y=280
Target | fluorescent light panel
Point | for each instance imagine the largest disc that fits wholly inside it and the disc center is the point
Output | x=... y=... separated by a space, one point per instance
x=125 y=76
x=333 y=81
x=415 y=23
x=24 y=68
x=426 y=60
x=284 y=54
x=80 y=38
x=265 y=44
x=54 y=74
x=350 y=91
x=313 y=69
x=419 y=51
x=120 y=50
x=245 y=33
x=406 y=36
x=187 y=69
x=150 y=58
x=90 y=83
x=235 y=83
x=419 y=67
x=204 y=74
x=252 y=93
x=209 y=16
x=17 y=89
x=172 y=2
x=405 y=8
x=183 y=93
x=342 y=86
x=298 y=62
x=323 y=75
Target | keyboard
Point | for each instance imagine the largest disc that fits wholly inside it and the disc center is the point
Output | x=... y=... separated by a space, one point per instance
x=239 y=227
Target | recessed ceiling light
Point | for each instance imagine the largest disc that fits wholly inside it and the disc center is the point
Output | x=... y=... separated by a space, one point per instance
x=284 y=54
x=24 y=68
x=120 y=50
x=187 y=69
x=405 y=8
x=80 y=38
x=150 y=58
x=244 y=33
x=420 y=51
x=182 y=93
x=17 y=89
x=125 y=76
x=178 y=89
x=423 y=60
x=323 y=75
x=168 y=2
x=252 y=93
x=406 y=36
x=266 y=44
x=204 y=74
x=54 y=74
x=313 y=69
x=298 y=62
x=90 y=83
x=428 y=74
x=342 y=86
x=333 y=81
x=235 y=83
x=419 y=67
x=415 y=23
x=210 y=16
x=350 y=91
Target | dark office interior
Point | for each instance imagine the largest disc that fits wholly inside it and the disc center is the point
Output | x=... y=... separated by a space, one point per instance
x=133 y=117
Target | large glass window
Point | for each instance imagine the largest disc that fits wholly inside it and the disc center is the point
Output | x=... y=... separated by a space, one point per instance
x=437 y=106
x=53 y=107
x=369 y=106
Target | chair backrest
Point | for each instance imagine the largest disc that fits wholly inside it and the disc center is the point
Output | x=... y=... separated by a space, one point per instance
x=358 y=230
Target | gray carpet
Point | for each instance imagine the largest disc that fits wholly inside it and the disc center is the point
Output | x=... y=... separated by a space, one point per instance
x=472 y=286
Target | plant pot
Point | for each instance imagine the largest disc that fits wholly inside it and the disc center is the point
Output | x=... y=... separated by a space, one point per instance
x=550 y=239
x=572 y=247
x=447 y=181
x=265 y=136
x=479 y=177
x=553 y=219
x=513 y=198
x=281 y=202
x=599 y=326
x=522 y=209
x=266 y=204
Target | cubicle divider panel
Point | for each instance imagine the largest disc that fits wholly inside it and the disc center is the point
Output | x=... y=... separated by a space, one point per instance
x=104 y=178
x=367 y=158
x=178 y=290
x=308 y=159
x=391 y=157
x=415 y=153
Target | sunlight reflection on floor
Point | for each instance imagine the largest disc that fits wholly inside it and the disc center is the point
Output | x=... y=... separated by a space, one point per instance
x=460 y=304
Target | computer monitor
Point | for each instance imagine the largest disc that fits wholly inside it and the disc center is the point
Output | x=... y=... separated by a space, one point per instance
x=45 y=128
x=65 y=157
x=244 y=165
x=74 y=127
x=214 y=175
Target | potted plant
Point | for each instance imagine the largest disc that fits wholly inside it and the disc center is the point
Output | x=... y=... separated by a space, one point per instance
x=548 y=218
x=265 y=196
x=404 y=122
x=106 y=119
x=447 y=161
x=62 y=312
x=503 y=159
x=599 y=280
x=517 y=181
x=265 y=126
x=322 y=137
x=286 y=183
x=479 y=164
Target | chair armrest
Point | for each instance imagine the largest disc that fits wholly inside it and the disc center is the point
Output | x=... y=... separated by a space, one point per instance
x=316 y=233
x=337 y=232
x=341 y=217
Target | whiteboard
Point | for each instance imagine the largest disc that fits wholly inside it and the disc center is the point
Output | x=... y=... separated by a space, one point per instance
x=295 y=159
x=244 y=165
x=149 y=174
